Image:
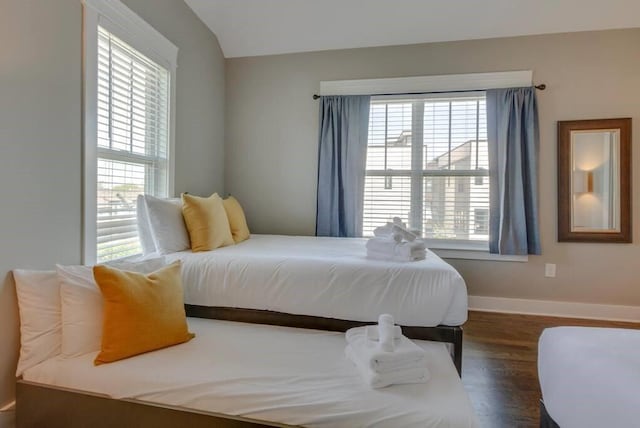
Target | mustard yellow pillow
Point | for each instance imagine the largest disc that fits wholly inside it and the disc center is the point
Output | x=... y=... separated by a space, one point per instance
x=237 y=220
x=142 y=313
x=206 y=222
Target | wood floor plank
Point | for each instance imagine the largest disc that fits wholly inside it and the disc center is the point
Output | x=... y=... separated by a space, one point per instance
x=499 y=368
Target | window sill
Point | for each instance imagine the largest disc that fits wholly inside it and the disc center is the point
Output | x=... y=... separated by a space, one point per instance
x=476 y=254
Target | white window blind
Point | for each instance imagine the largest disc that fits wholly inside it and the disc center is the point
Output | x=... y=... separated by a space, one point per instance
x=427 y=163
x=132 y=141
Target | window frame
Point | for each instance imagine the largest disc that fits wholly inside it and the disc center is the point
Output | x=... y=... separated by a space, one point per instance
x=417 y=173
x=118 y=19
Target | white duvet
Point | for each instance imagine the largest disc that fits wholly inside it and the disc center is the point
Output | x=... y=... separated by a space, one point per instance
x=328 y=277
x=590 y=377
x=286 y=375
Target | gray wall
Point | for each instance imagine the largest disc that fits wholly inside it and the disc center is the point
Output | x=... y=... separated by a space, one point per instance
x=40 y=135
x=200 y=94
x=271 y=152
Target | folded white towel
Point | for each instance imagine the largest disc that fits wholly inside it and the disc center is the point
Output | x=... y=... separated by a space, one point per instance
x=391 y=247
x=409 y=248
x=378 y=255
x=382 y=244
x=394 y=377
x=407 y=355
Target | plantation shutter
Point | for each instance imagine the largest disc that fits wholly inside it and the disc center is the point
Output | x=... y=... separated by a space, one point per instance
x=132 y=141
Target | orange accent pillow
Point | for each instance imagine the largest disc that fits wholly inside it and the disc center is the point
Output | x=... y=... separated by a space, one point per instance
x=206 y=222
x=237 y=220
x=142 y=313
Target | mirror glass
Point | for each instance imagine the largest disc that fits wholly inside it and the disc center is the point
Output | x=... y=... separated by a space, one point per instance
x=595 y=180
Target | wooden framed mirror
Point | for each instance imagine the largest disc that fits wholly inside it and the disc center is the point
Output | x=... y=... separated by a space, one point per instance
x=594 y=180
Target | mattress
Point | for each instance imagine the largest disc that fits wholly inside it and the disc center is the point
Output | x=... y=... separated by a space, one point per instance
x=279 y=374
x=590 y=377
x=327 y=277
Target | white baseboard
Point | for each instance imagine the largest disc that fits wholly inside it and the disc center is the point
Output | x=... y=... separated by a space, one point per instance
x=556 y=309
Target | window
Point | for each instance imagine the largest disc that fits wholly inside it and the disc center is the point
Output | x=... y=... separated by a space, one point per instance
x=427 y=163
x=127 y=127
x=481 y=221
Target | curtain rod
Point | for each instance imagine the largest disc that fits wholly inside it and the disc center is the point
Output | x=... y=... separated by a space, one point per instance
x=541 y=87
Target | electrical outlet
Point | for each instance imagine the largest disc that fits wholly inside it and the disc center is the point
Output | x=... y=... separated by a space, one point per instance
x=550 y=270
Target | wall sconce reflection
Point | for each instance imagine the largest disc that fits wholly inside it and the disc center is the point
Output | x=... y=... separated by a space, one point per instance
x=582 y=182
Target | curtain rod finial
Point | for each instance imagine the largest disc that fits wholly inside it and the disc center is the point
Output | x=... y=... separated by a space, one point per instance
x=316 y=96
x=541 y=86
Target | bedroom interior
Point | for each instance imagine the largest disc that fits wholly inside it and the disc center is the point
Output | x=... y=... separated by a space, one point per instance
x=315 y=137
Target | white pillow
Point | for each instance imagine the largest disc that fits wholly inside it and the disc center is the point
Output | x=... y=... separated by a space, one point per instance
x=40 y=319
x=144 y=228
x=167 y=224
x=82 y=306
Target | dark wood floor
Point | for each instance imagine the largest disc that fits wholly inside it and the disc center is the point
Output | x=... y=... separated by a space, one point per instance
x=499 y=365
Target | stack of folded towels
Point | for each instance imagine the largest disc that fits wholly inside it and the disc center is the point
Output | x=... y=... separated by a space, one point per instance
x=383 y=356
x=395 y=242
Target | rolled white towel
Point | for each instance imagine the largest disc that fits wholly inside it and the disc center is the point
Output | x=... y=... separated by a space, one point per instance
x=388 y=228
x=372 y=332
x=405 y=233
x=385 y=331
x=407 y=355
x=382 y=379
x=399 y=222
x=382 y=231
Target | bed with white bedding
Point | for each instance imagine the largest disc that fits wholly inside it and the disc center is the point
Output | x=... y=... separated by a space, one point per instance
x=590 y=377
x=266 y=373
x=324 y=277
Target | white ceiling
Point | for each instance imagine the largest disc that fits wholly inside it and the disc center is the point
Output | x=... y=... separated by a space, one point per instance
x=265 y=27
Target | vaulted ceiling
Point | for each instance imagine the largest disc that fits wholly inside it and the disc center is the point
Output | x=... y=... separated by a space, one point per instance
x=264 y=27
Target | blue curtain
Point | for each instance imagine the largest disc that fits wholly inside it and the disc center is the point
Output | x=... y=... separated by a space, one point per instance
x=342 y=153
x=512 y=128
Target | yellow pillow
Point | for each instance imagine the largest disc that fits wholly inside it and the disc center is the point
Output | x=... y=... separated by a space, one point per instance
x=237 y=220
x=142 y=313
x=206 y=222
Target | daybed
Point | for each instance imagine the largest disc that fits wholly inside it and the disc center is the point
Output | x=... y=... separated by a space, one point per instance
x=590 y=377
x=238 y=374
x=328 y=278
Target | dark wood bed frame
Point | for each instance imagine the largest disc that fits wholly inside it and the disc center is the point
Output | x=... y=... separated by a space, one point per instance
x=40 y=405
x=546 y=421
